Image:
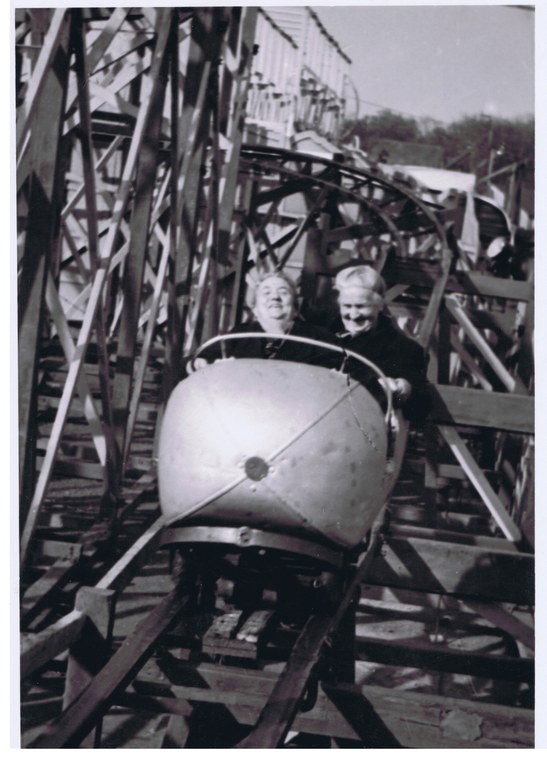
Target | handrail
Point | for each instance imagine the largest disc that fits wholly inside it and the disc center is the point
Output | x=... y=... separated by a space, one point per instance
x=382 y=378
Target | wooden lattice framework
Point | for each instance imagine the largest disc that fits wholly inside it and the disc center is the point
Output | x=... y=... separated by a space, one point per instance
x=142 y=219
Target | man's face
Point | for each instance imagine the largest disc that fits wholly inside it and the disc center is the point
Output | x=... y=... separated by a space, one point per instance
x=274 y=302
x=359 y=309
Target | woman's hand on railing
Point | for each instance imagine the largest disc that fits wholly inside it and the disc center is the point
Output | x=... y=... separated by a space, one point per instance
x=195 y=364
x=400 y=390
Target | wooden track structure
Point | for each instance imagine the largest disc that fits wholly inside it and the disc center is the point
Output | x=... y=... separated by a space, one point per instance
x=143 y=218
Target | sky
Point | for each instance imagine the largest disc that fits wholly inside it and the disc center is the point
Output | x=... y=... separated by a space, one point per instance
x=440 y=61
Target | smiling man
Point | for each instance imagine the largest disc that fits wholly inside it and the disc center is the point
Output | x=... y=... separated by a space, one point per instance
x=364 y=328
x=275 y=311
x=275 y=303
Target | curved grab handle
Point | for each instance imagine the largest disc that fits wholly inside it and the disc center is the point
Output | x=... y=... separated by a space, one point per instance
x=382 y=378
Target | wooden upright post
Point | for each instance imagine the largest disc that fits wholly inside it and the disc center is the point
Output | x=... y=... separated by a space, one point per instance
x=42 y=188
x=140 y=223
x=192 y=135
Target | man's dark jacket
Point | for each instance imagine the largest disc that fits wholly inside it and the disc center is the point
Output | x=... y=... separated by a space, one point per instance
x=281 y=349
x=396 y=355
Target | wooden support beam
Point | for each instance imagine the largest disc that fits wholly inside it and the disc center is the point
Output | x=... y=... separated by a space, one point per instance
x=43 y=200
x=467 y=282
x=233 y=94
x=466 y=358
x=239 y=285
x=123 y=571
x=39 y=649
x=430 y=472
x=95 y=298
x=146 y=347
x=65 y=337
x=422 y=654
x=234 y=85
x=459 y=406
x=55 y=40
x=107 y=93
x=140 y=221
x=427 y=325
x=481 y=484
x=79 y=718
x=454 y=568
x=95 y=53
x=480 y=342
x=40 y=591
x=108 y=33
x=100 y=164
x=503 y=618
x=82 y=76
x=91 y=650
x=192 y=133
x=280 y=710
x=488 y=543
x=395 y=291
x=372 y=715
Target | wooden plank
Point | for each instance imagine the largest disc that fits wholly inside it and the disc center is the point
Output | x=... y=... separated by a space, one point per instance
x=91 y=310
x=232 y=101
x=56 y=576
x=227 y=637
x=141 y=371
x=277 y=716
x=90 y=652
x=108 y=33
x=41 y=73
x=99 y=165
x=75 y=468
x=457 y=569
x=123 y=571
x=460 y=406
x=192 y=133
x=419 y=720
x=424 y=655
x=501 y=617
x=78 y=719
x=82 y=72
x=489 y=543
x=140 y=224
x=37 y=650
x=435 y=301
x=477 y=477
x=481 y=343
x=96 y=52
x=410 y=718
x=57 y=549
x=41 y=648
x=43 y=198
x=468 y=282
x=65 y=337
x=469 y=362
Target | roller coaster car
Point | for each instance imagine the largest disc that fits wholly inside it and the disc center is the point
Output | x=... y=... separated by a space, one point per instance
x=272 y=455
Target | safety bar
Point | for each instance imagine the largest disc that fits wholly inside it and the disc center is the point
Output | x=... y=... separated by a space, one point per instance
x=382 y=378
